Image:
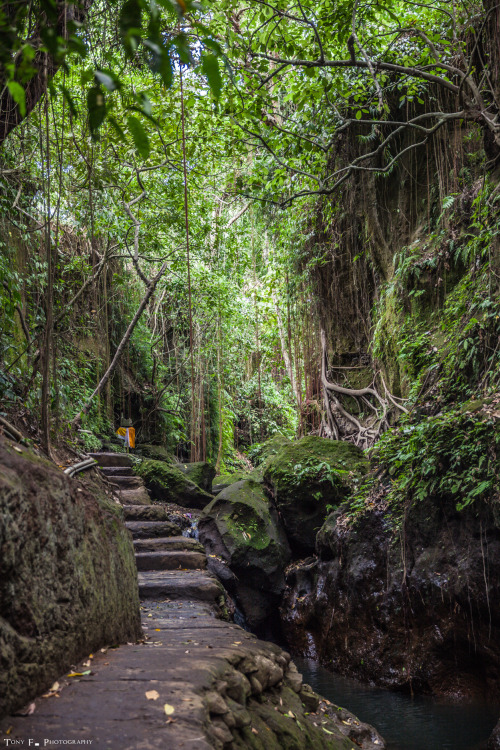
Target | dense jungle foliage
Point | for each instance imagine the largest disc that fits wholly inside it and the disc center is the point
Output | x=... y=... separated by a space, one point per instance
x=225 y=221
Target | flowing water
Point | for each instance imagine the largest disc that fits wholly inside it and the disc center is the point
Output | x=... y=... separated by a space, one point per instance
x=406 y=723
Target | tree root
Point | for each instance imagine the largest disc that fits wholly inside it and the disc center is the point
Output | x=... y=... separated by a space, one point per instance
x=339 y=424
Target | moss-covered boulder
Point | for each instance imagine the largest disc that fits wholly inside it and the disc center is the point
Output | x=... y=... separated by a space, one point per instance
x=261 y=452
x=199 y=472
x=68 y=583
x=241 y=528
x=226 y=480
x=156 y=452
x=168 y=484
x=306 y=477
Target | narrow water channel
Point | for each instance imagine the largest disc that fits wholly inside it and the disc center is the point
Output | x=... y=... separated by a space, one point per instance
x=419 y=723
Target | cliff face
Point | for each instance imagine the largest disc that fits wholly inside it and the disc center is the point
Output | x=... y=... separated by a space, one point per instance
x=403 y=591
x=418 y=613
x=69 y=582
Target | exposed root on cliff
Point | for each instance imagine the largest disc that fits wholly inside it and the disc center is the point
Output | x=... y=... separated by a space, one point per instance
x=339 y=423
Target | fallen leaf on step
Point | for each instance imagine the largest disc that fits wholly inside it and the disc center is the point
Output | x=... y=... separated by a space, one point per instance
x=78 y=674
x=170 y=720
x=168 y=709
x=236 y=643
x=254 y=730
x=86 y=663
x=152 y=695
x=158 y=630
x=53 y=691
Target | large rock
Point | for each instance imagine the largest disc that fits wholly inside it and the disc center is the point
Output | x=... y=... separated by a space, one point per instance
x=169 y=485
x=223 y=481
x=411 y=605
x=156 y=452
x=494 y=739
x=309 y=477
x=68 y=583
x=199 y=472
x=260 y=453
x=241 y=528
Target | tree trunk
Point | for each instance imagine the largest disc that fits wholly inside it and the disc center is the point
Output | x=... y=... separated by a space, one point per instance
x=121 y=347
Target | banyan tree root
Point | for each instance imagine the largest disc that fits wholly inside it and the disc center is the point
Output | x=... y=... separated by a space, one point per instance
x=339 y=423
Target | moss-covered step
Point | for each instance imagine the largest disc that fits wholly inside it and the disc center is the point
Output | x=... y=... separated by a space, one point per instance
x=307 y=476
x=169 y=485
x=242 y=529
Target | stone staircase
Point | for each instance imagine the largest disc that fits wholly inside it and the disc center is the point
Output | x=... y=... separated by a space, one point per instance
x=117 y=468
x=170 y=566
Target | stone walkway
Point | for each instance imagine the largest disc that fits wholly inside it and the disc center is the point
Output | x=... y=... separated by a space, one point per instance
x=196 y=681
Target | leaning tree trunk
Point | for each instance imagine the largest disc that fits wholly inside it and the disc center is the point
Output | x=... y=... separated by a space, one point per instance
x=121 y=347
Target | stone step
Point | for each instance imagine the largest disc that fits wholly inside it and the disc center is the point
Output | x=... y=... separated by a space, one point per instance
x=168 y=543
x=126 y=483
x=171 y=560
x=117 y=471
x=151 y=529
x=146 y=513
x=188 y=584
x=112 y=459
x=138 y=496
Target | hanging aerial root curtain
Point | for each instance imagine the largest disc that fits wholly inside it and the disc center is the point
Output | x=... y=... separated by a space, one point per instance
x=127 y=434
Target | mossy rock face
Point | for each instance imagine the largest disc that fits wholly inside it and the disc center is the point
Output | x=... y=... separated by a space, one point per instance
x=155 y=452
x=226 y=480
x=199 y=472
x=241 y=527
x=69 y=581
x=308 y=475
x=270 y=448
x=169 y=485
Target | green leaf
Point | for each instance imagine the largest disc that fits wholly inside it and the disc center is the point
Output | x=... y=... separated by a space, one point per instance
x=139 y=135
x=130 y=24
x=118 y=128
x=107 y=80
x=96 y=104
x=210 y=67
x=71 y=102
x=359 y=115
x=17 y=93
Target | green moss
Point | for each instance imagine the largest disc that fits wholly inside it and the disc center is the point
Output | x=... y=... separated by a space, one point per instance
x=308 y=477
x=169 y=485
x=260 y=452
x=156 y=452
x=238 y=476
x=242 y=518
x=199 y=472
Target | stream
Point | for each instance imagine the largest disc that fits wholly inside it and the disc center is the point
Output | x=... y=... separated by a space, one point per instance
x=406 y=723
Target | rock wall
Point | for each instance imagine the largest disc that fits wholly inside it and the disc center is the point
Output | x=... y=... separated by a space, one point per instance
x=417 y=610
x=68 y=581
